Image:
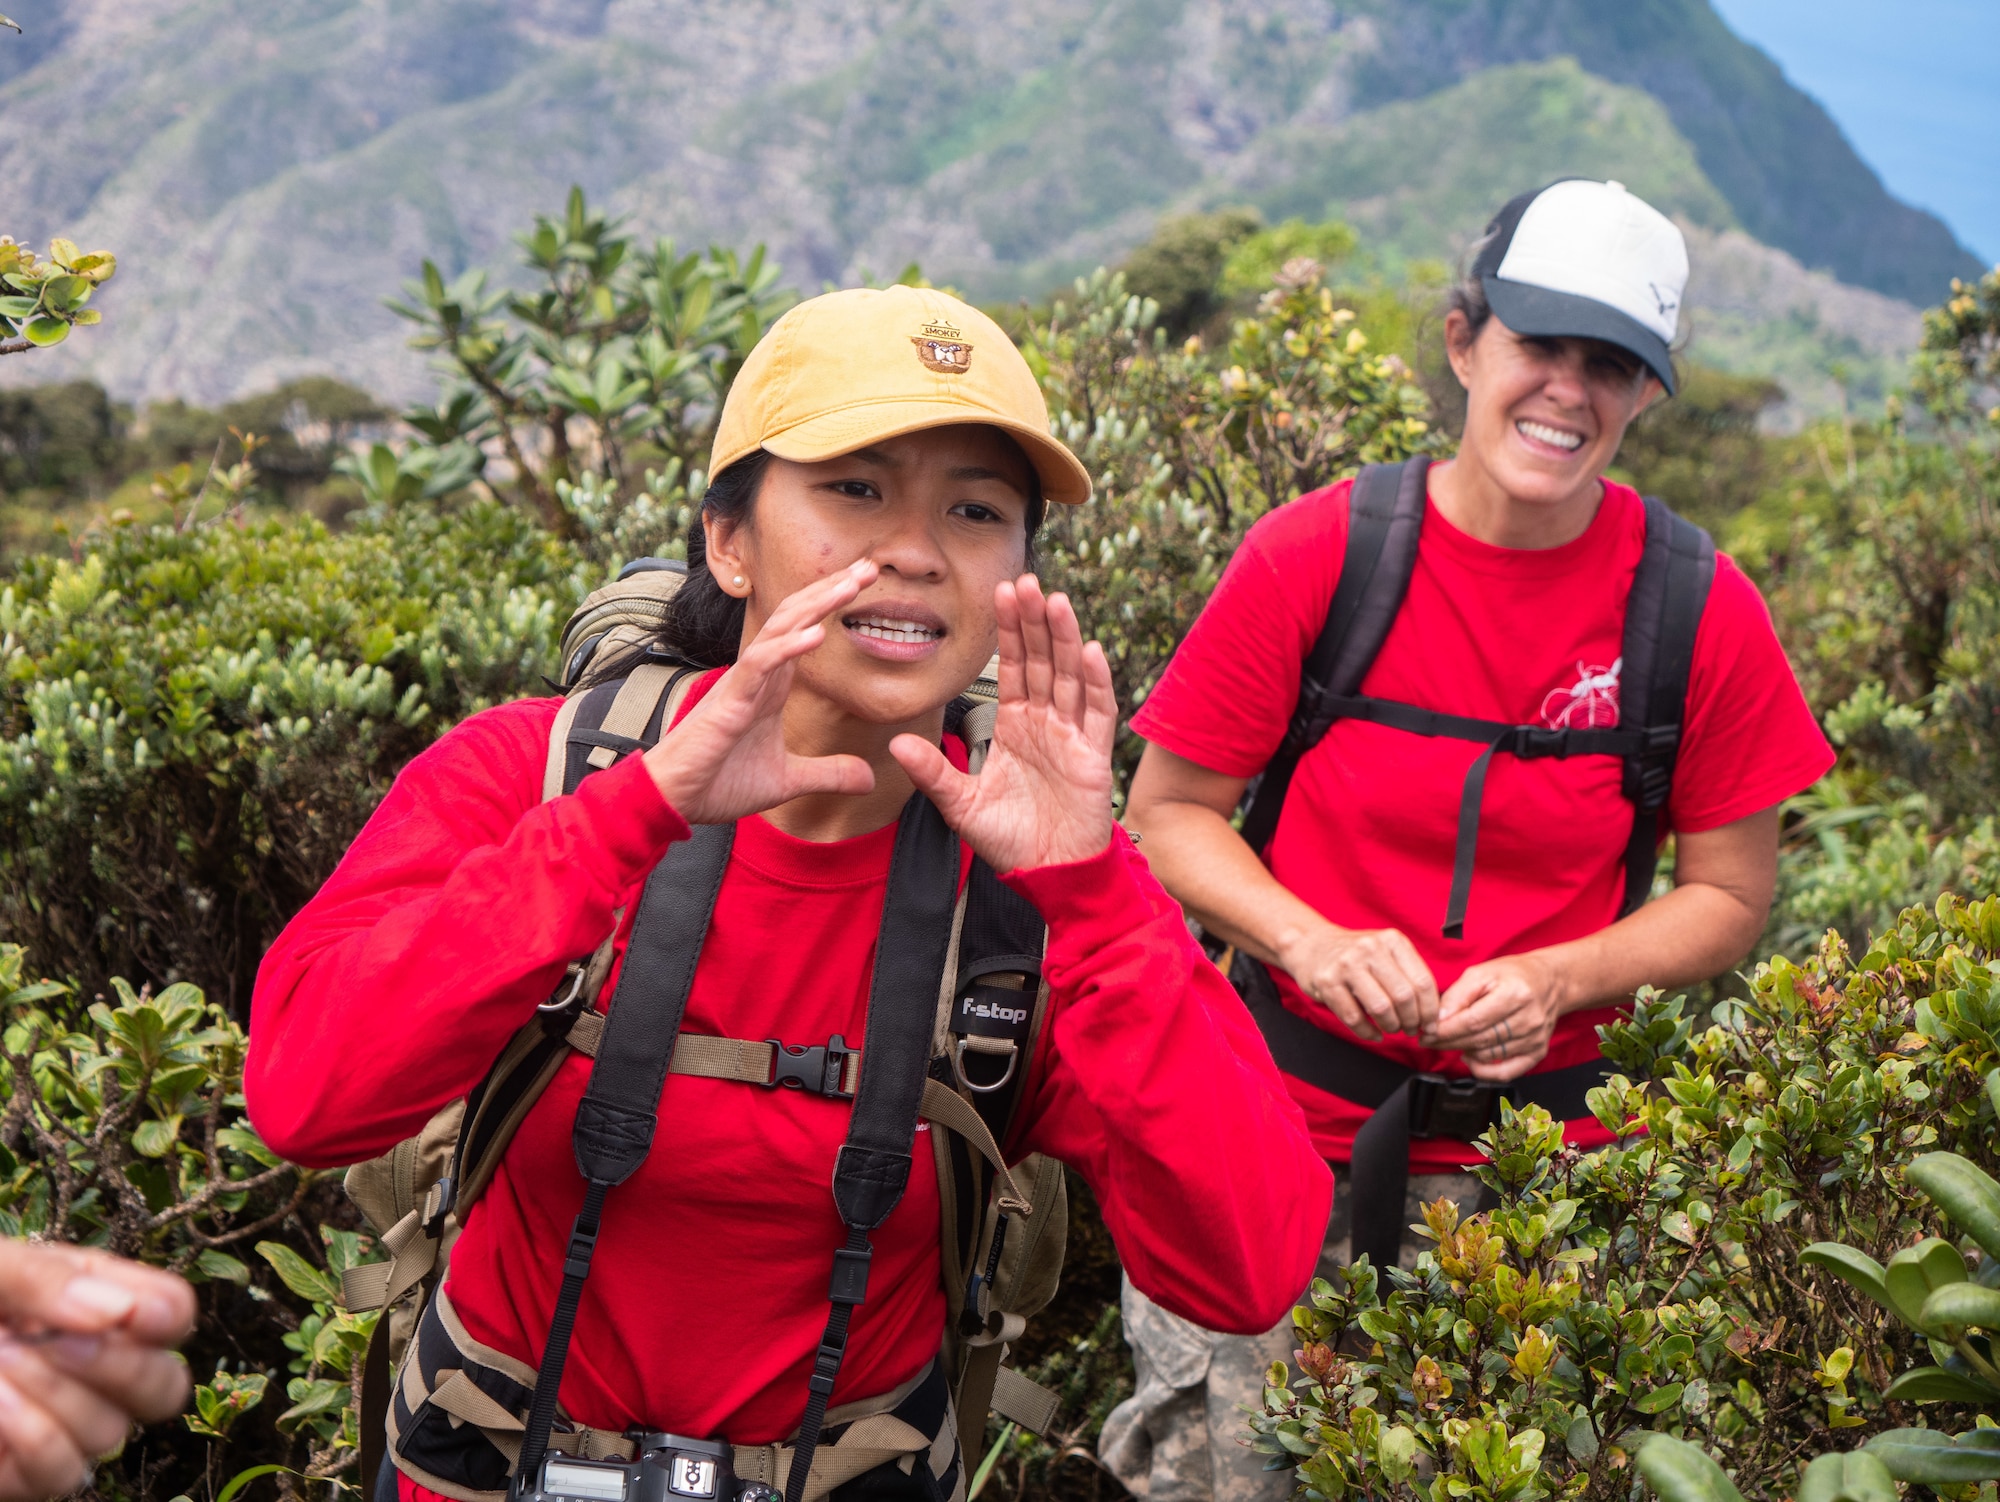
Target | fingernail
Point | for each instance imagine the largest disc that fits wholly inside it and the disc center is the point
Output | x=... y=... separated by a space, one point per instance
x=94 y=1301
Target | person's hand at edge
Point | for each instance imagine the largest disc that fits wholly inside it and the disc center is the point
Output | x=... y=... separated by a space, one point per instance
x=1043 y=797
x=85 y=1343
x=727 y=758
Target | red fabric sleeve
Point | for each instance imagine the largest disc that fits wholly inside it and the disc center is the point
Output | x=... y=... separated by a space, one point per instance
x=1751 y=738
x=1220 y=705
x=446 y=924
x=1158 y=1088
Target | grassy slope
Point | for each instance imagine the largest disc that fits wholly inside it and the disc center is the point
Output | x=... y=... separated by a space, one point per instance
x=1421 y=177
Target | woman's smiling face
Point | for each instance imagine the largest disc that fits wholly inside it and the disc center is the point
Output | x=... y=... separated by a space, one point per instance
x=1544 y=416
x=943 y=513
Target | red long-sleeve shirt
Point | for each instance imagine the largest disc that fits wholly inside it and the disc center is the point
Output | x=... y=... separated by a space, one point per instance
x=451 y=918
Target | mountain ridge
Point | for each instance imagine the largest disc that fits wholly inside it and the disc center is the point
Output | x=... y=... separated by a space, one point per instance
x=271 y=170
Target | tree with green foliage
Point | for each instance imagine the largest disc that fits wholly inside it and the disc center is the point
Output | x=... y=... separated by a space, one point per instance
x=626 y=350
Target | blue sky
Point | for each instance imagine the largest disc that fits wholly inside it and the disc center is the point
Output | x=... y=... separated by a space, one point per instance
x=1914 y=85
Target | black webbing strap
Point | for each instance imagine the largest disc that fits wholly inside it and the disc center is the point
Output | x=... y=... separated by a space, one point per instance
x=1385 y=512
x=1404 y=1104
x=873 y=1167
x=1662 y=615
x=1527 y=742
x=620 y=1106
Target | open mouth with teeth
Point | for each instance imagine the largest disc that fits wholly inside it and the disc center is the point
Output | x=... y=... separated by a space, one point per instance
x=890 y=629
x=1556 y=438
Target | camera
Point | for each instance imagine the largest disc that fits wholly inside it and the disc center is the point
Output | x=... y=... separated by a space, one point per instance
x=668 y=1468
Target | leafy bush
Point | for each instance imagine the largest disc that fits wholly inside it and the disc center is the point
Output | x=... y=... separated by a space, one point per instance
x=123 y=1127
x=42 y=299
x=1879 y=561
x=194 y=724
x=1657 y=1285
x=1188 y=449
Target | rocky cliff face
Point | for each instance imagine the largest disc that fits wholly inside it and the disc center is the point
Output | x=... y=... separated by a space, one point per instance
x=270 y=170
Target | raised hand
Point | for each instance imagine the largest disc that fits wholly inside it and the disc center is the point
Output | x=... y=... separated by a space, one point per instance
x=727 y=757
x=1043 y=797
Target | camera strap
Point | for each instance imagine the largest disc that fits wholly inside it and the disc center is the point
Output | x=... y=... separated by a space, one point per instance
x=620 y=1106
x=617 y=1117
x=873 y=1167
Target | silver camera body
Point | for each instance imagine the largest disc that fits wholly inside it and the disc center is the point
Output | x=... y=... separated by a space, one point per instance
x=668 y=1468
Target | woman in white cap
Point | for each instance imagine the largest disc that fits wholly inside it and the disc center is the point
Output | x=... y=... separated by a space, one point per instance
x=880 y=469
x=1480 y=693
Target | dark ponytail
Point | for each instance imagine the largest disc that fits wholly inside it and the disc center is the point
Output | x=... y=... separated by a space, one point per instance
x=705 y=622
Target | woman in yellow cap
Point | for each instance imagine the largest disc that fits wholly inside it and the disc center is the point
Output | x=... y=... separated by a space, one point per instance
x=880 y=469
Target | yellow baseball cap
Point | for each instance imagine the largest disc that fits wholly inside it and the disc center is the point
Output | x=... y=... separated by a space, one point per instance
x=847 y=369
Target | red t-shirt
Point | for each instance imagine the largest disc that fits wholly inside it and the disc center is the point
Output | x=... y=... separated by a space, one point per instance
x=1523 y=636
x=452 y=916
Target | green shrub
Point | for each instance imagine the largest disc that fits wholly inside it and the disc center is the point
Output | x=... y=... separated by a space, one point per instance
x=1657 y=1285
x=194 y=724
x=122 y=1126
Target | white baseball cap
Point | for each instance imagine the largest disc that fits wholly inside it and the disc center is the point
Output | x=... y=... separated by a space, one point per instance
x=1588 y=260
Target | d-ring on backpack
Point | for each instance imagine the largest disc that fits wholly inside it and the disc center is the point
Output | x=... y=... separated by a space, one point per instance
x=954 y=1016
x=1662 y=613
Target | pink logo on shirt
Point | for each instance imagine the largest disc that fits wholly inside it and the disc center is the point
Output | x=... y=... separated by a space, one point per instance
x=1591 y=703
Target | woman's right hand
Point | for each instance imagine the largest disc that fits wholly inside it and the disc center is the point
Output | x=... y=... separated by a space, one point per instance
x=727 y=758
x=1373 y=980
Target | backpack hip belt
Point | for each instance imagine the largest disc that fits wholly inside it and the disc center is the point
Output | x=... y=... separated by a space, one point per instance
x=1405 y=1105
x=459 y=1411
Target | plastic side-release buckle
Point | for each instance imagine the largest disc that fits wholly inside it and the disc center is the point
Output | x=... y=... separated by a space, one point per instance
x=1442 y=1106
x=814 y=1069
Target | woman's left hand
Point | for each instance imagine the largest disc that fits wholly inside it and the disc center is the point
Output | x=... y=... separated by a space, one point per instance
x=1501 y=1014
x=1043 y=797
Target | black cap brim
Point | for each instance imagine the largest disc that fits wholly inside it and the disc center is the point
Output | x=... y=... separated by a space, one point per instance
x=1540 y=313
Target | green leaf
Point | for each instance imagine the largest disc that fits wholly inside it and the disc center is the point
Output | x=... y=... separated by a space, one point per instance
x=1961 y=1304
x=1965 y=1192
x=214 y=1263
x=24 y=307
x=1660 y=1399
x=1933 y=1384
x=1851 y=1266
x=243 y=1478
x=155 y=1139
x=299 y=1275
x=1581 y=1440
x=1931 y=1458
x=46 y=331
x=1680 y=1472
x=1859 y=1477
x=1916 y=1272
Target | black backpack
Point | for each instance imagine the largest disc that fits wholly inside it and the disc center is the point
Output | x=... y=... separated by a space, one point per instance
x=1664 y=610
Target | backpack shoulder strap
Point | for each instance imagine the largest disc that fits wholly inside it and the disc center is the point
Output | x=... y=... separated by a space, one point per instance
x=606 y=721
x=1662 y=615
x=1384 y=518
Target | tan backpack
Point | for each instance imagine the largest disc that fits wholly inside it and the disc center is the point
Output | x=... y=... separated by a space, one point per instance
x=1003 y=1231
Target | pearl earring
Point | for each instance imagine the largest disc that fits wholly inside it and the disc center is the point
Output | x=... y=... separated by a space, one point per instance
x=737 y=581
